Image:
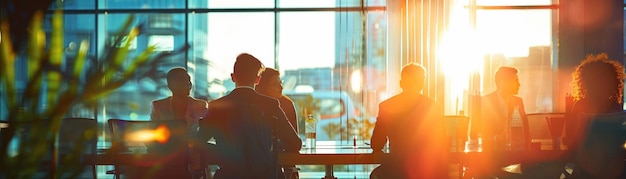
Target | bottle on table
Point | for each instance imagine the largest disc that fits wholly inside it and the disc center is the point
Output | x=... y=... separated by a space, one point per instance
x=310 y=128
x=515 y=134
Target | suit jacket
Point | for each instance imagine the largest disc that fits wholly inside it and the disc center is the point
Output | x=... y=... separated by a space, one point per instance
x=224 y=123
x=495 y=113
x=415 y=129
x=196 y=109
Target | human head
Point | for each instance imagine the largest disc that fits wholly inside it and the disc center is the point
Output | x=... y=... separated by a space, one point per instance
x=179 y=81
x=599 y=78
x=507 y=81
x=270 y=83
x=412 y=77
x=246 y=70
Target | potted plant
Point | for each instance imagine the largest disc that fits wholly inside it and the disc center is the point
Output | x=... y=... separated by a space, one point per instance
x=49 y=90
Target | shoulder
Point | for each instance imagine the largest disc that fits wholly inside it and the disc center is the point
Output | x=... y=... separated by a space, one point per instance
x=266 y=99
x=198 y=102
x=286 y=99
x=492 y=95
x=222 y=102
x=161 y=101
x=393 y=100
x=517 y=99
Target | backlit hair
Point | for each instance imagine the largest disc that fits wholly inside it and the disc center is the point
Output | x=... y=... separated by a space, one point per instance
x=247 y=68
x=504 y=73
x=412 y=77
x=176 y=73
x=586 y=76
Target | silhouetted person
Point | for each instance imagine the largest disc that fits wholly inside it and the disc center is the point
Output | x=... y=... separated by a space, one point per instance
x=597 y=86
x=497 y=109
x=414 y=127
x=244 y=124
x=179 y=106
x=494 y=126
x=271 y=85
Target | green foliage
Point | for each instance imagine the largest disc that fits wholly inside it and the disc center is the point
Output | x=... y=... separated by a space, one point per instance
x=50 y=90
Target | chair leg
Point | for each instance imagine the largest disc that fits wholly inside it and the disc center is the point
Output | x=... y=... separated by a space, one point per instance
x=94 y=173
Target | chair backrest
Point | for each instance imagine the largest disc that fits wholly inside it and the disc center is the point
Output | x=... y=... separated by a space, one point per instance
x=163 y=136
x=78 y=135
x=601 y=153
x=538 y=124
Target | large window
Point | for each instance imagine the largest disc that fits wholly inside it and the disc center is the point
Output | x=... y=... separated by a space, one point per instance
x=489 y=34
x=331 y=55
x=339 y=57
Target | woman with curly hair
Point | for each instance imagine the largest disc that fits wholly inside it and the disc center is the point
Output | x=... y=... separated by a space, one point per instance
x=597 y=88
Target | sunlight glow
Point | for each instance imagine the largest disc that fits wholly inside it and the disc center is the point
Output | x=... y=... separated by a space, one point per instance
x=161 y=134
x=511 y=33
x=356 y=81
x=460 y=55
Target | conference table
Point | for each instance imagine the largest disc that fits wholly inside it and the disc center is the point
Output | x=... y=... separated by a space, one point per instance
x=330 y=154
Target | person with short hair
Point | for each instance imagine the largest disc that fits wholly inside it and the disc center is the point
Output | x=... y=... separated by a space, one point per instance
x=413 y=125
x=179 y=106
x=271 y=85
x=246 y=127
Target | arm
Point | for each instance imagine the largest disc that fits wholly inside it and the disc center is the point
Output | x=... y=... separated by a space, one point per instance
x=154 y=113
x=286 y=132
x=290 y=112
x=379 y=135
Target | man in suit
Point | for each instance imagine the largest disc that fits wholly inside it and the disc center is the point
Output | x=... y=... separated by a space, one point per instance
x=246 y=125
x=497 y=109
x=494 y=126
x=414 y=127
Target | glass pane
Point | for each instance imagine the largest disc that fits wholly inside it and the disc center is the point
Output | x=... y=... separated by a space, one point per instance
x=198 y=61
x=376 y=2
x=79 y=29
x=320 y=3
x=329 y=3
x=141 y=4
x=231 y=34
x=325 y=59
x=331 y=67
x=241 y=3
x=133 y=100
x=75 y=4
x=523 y=39
x=198 y=4
x=512 y=2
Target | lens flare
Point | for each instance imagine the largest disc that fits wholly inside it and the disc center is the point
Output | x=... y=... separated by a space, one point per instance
x=161 y=134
